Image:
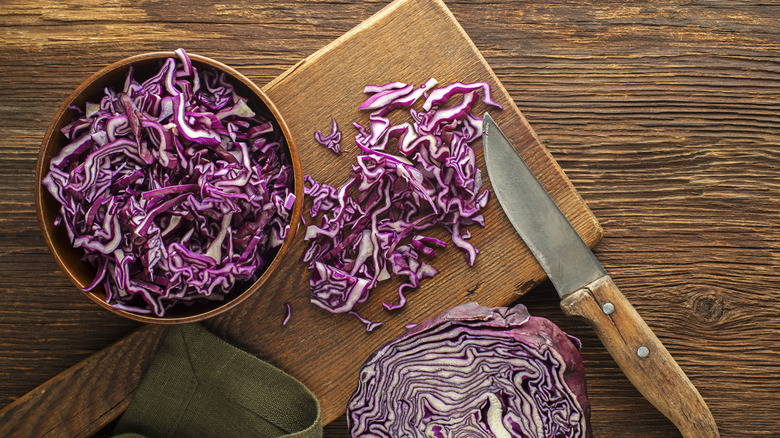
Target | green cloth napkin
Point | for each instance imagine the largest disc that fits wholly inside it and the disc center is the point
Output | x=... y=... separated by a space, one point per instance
x=200 y=386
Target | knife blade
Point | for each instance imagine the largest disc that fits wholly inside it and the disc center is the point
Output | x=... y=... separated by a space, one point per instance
x=587 y=290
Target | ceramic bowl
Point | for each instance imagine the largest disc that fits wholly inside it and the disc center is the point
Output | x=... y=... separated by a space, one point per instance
x=70 y=259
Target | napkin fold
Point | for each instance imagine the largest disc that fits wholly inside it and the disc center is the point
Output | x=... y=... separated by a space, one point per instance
x=198 y=385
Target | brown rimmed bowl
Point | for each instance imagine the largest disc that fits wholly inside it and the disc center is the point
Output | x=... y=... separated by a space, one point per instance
x=70 y=258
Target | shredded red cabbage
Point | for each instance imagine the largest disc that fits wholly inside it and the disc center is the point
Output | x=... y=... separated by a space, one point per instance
x=176 y=189
x=373 y=226
x=474 y=371
x=287 y=314
x=331 y=141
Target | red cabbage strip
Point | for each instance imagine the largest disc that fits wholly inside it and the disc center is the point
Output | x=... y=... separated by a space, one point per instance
x=175 y=188
x=331 y=141
x=371 y=89
x=442 y=95
x=373 y=226
x=287 y=314
x=474 y=371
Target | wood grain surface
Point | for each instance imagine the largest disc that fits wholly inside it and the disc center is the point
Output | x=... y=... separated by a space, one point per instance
x=664 y=115
x=77 y=402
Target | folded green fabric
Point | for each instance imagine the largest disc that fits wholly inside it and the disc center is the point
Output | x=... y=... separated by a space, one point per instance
x=200 y=386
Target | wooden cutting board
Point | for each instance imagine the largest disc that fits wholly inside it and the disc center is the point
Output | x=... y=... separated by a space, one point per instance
x=407 y=41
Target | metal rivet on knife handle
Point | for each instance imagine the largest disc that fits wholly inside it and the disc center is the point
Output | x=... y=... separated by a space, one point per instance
x=608 y=308
x=643 y=352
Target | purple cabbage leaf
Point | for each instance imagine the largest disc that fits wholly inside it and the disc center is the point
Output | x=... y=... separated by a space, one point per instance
x=474 y=371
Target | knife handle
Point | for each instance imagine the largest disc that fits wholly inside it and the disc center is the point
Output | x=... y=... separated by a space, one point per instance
x=641 y=356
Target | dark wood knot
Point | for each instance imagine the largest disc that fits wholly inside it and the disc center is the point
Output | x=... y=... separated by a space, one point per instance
x=708 y=306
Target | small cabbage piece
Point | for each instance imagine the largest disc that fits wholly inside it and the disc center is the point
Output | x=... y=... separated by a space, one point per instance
x=174 y=187
x=407 y=179
x=331 y=141
x=474 y=371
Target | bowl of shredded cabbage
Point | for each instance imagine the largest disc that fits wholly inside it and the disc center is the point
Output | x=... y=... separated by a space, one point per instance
x=168 y=187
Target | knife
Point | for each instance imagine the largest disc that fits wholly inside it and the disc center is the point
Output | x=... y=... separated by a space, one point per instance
x=587 y=291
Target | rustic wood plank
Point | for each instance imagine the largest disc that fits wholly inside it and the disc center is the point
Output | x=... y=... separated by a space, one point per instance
x=80 y=401
x=663 y=114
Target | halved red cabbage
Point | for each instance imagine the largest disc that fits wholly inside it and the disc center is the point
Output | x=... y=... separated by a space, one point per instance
x=373 y=226
x=176 y=189
x=474 y=371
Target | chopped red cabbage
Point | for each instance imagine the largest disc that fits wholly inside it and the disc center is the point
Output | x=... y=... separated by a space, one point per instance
x=373 y=226
x=174 y=187
x=331 y=141
x=287 y=314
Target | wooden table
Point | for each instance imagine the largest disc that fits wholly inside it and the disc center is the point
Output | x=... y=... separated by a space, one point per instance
x=663 y=114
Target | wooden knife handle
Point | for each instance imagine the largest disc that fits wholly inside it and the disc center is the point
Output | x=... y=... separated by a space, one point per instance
x=641 y=356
